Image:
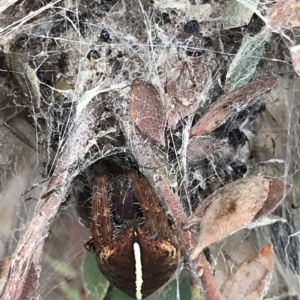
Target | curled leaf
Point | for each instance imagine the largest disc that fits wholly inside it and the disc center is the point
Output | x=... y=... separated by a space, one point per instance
x=251 y=279
x=277 y=191
x=236 y=100
x=185 y=83
x=265 y=221
x=228 y=210
x=147 y=112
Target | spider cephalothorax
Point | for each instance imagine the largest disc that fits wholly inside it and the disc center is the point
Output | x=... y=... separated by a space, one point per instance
x=131 y=236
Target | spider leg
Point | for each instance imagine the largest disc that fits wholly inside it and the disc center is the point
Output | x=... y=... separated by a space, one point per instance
x=102 y=227
x=155 y=218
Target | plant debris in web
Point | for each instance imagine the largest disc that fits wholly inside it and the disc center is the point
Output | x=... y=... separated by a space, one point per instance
x=196 y=102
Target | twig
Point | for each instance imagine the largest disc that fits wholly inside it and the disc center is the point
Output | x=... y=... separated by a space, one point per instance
x=208 y=279
x=201 y=262
x=74 y=151
x=153 y=159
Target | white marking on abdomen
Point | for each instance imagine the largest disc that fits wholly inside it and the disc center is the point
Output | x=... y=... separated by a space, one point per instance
x=138 y=271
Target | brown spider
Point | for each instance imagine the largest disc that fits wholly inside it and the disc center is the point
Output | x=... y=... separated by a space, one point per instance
x=132 y=238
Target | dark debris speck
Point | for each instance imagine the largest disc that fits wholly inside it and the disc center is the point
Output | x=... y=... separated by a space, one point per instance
x=207 y=42
x=239 y=168
x=191 y=27
x=193 y=53
x=166 y=18
x=104 y=36
x=237 y=138
x=93 y=55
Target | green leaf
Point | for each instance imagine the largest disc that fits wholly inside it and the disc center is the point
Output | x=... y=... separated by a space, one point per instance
x=181 y=287
x=70 y=293
x=196 y=294
x=94 y=282
x=61 y=267
x=116 y=294
x=244 y=64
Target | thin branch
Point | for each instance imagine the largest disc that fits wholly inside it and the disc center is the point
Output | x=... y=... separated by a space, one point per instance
x=72 y=154
x=150 y=157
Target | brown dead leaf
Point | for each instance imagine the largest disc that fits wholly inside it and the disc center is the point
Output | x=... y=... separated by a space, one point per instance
x=295 y=54
x=236 y=100
x=228 y=210
x=184 y=85
x=251 y=280
x=277 y=191
x=284 y=14
x=147 y=112
x=201 y=146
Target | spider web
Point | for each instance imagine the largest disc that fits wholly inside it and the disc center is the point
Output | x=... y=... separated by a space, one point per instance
x=56 y=61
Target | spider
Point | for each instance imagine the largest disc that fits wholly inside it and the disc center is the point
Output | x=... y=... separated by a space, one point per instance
x=133 y=240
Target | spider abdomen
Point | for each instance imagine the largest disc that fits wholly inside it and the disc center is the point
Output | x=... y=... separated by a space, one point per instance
x=131 y=236
x=137 y=264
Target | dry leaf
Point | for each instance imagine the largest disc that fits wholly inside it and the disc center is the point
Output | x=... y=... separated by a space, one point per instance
x=236 y=14
x=6 y=4
x=234 y=101
x=251 y=280
x=228 y=210
x=201 y=146
x=295 y=55
x=146 y=111
x=189 y=79
x=284 y=14
x=277 y=191
x=244 y=63
x=265 y=221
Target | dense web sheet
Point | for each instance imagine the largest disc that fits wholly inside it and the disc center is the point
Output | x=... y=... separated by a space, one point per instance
x=165 y=87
